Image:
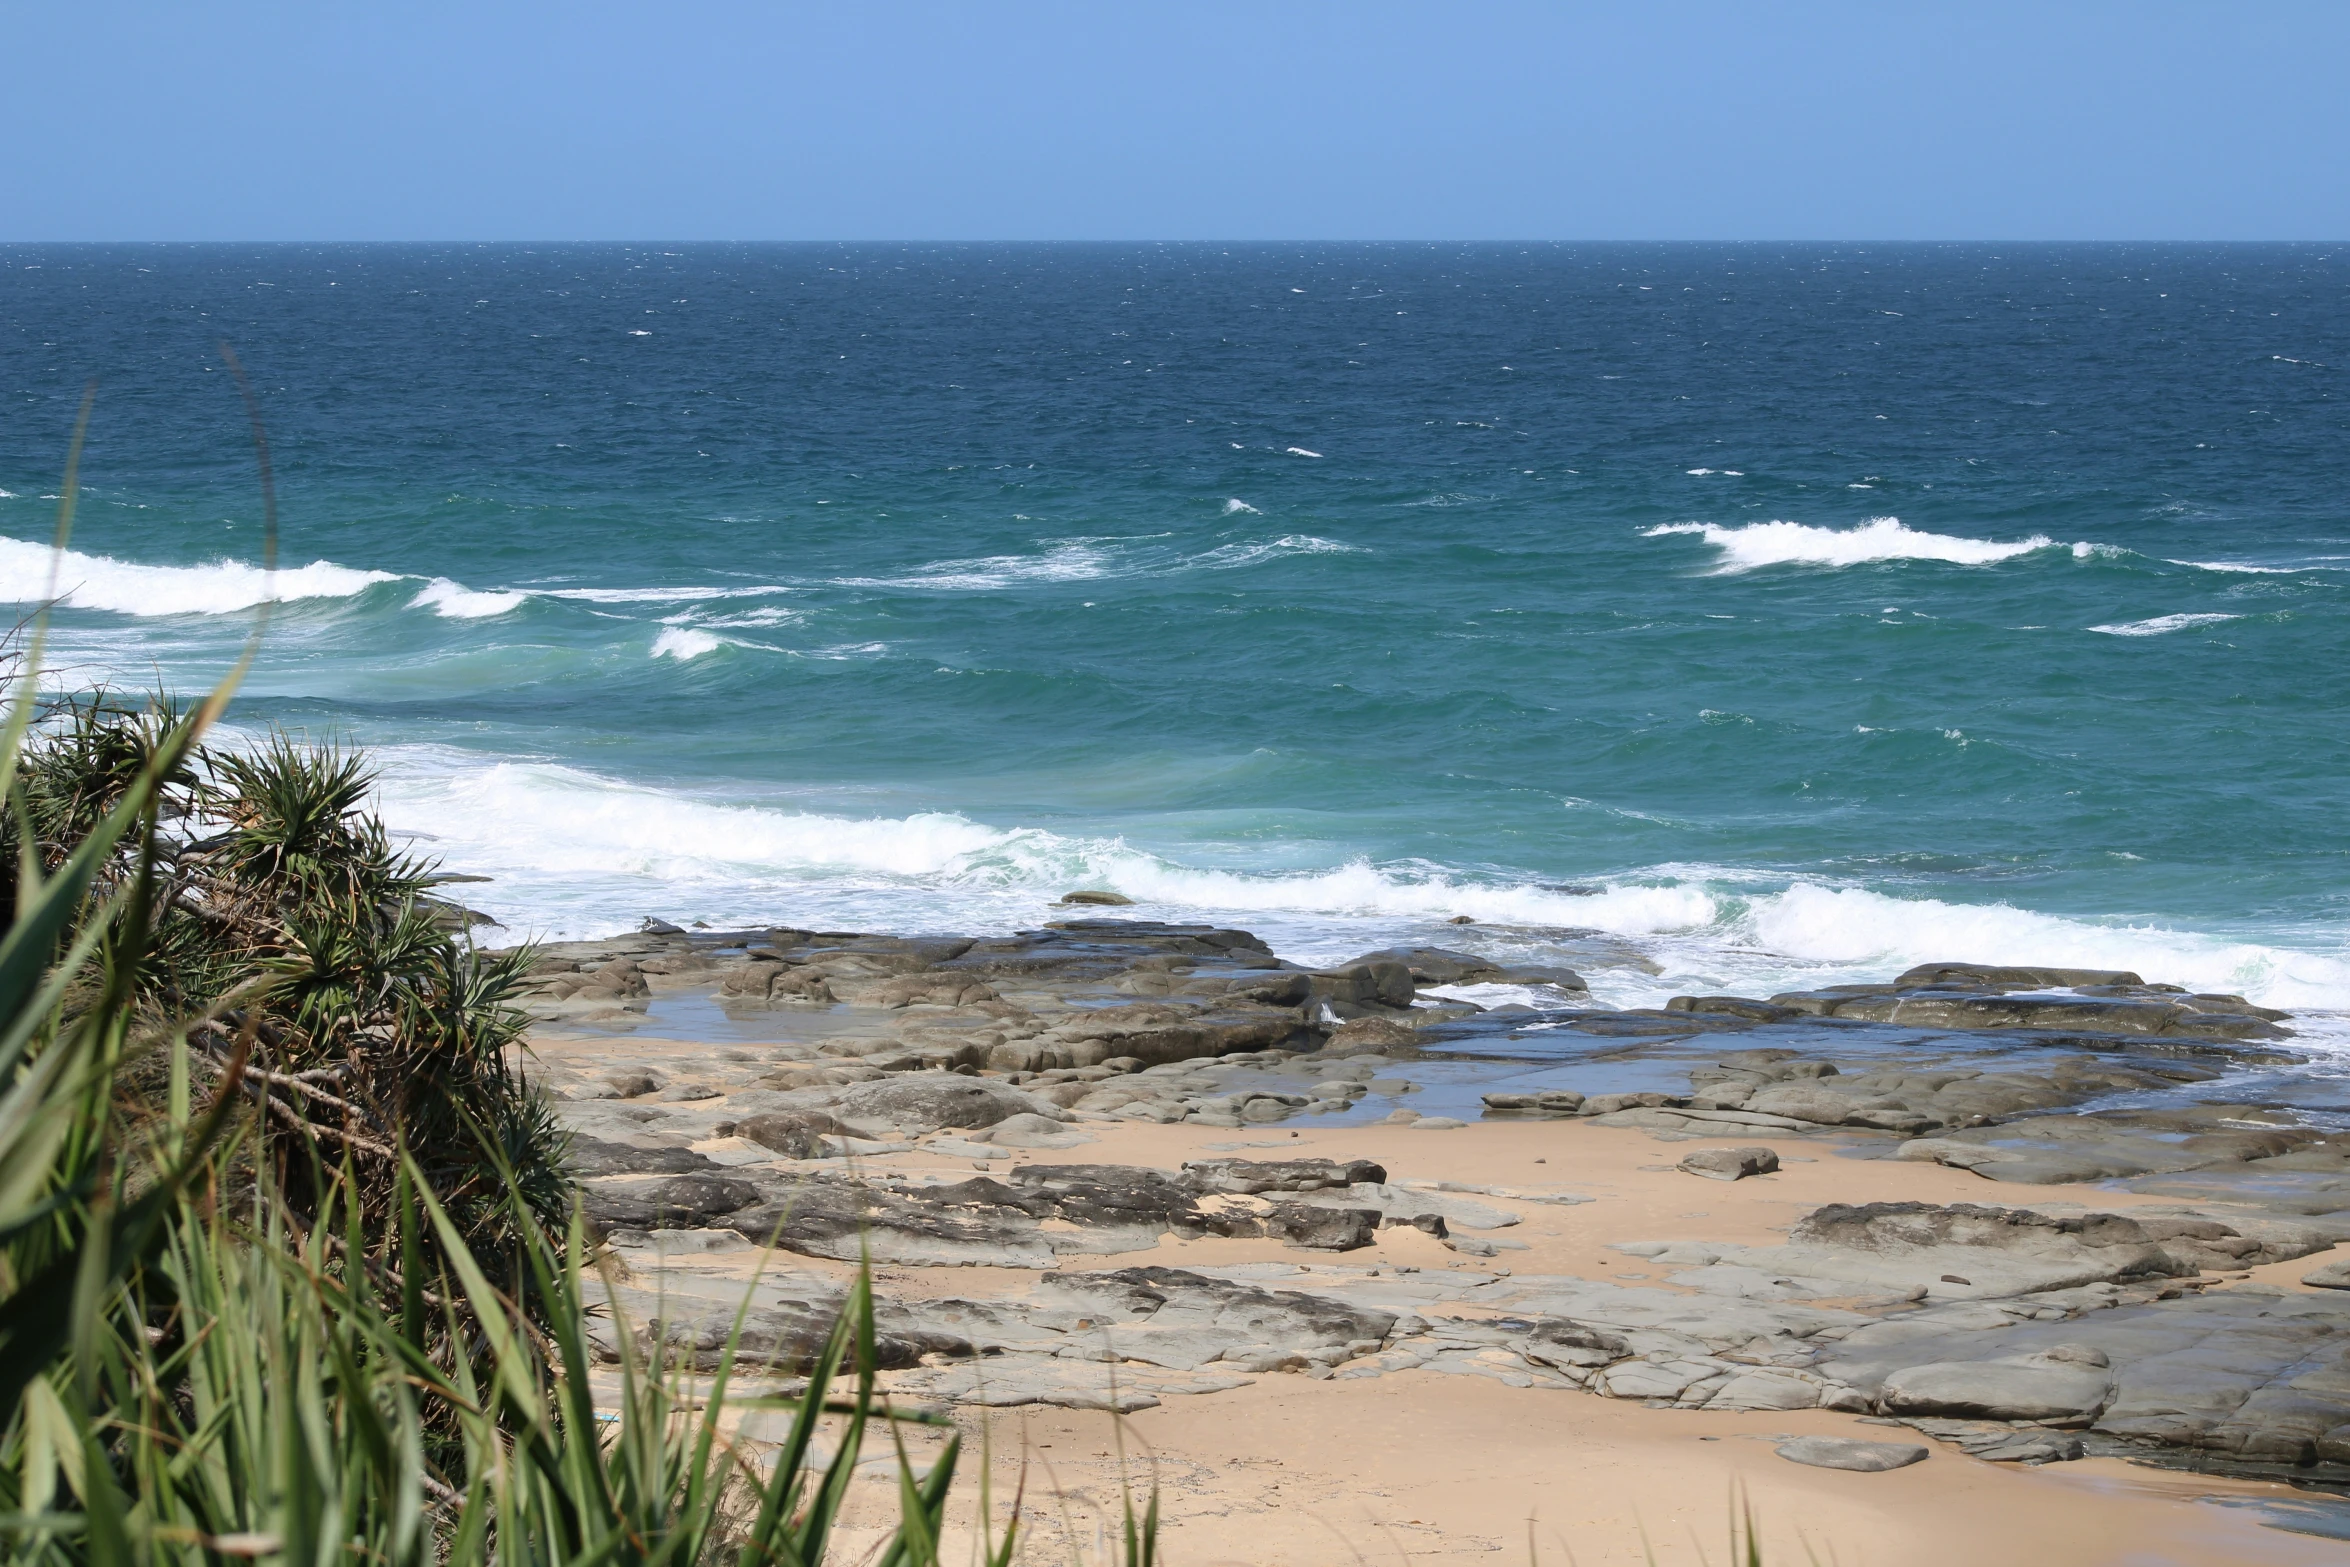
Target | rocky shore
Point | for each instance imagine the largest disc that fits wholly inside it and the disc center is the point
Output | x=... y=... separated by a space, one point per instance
x=1112 y=1162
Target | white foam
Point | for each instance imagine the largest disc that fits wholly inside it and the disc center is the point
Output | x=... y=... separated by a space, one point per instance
x=1226 y=556
x=2160 y=624
x=1879 y=539
x=657 y=595
x=576 y=853
x=1075 y=560
x=1851 y=926
x=459 y=602
x=1299 y=451
x=684 y=642
x=1238 y=505
x=2246 y=567
x=571 y=850
x=1085 y=560
x=128 y=588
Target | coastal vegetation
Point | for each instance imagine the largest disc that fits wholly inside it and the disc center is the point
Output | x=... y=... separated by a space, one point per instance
x=290 y=1261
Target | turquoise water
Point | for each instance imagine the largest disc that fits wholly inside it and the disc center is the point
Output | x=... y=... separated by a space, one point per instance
x=1790 y=612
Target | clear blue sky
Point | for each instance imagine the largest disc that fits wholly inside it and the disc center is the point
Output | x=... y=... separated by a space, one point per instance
x=1178 y=119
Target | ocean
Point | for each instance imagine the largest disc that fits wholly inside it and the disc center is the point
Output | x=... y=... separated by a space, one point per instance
x=1789 y=613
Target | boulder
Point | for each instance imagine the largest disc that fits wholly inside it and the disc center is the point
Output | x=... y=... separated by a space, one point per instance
x=1730 y=1164
x=1034 y=1131
x=1363 y=1034
x=1093 y=895
x=1322 y=1229
x=1435 y=965
x=927 y=1101
x=796 y=1134
x=1380 y=982
x=1839 y=1452
x=2332 y=1276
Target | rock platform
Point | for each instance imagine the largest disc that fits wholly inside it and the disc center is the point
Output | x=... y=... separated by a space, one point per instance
x=754 y=1110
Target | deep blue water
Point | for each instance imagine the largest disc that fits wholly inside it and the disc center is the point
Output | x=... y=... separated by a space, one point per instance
x=1331 y=589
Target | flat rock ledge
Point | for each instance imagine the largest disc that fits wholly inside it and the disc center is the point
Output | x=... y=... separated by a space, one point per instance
x=2019 y=1335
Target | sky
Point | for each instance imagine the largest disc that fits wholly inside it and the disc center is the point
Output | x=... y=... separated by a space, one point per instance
x=1151 y=119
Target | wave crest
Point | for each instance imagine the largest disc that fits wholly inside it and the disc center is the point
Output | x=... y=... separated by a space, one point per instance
x=1762 y=544
x=459 y=602
x=684 y=643
x=124 y=587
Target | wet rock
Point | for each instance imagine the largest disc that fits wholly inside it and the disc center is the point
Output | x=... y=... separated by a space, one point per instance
x=1987 y=1005
x=1837 y=1452
x=1733 y=1006
x=1380 y=982
x=1435 y=965
x=1608 y=1104
x=1730 y=1164
x=1546 y=1104
x=1096 y=896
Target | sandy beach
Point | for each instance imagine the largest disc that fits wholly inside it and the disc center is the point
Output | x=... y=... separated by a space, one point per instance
x=1424 y=1463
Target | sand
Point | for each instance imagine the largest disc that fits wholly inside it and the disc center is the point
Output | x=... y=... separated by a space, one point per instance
x=1426 y=1466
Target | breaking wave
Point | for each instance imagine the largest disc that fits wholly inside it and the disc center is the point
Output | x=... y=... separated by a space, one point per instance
x=684 y=642
x=577 y=853
x=127 y=588
x=1762 y=544
x=459 y=602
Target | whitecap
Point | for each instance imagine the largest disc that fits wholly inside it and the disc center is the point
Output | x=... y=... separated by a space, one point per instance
x=1299 y=451
x=128 y=588
x=2160 y=624
x=684 y=642
x=459 y=602
x=1879 y=539
x=1237 y=505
